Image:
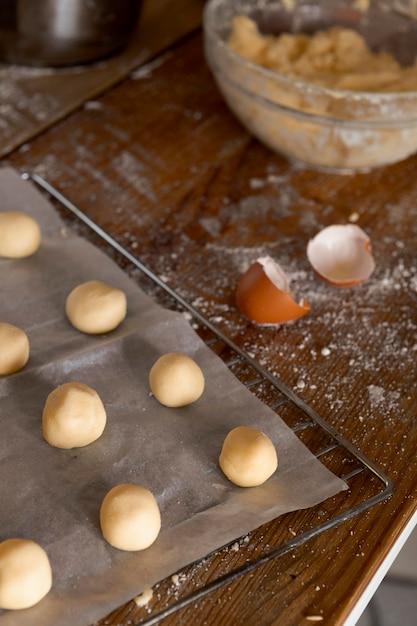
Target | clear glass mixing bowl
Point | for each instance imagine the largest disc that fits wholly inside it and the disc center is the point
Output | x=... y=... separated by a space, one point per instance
x=325 y=128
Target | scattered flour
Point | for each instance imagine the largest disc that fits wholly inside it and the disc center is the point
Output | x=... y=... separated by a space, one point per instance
x=379 y=396
x=146 y=71
x=132 y=170
x=359 y=328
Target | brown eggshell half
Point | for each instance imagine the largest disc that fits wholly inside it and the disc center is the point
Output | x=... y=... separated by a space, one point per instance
x=263 y=295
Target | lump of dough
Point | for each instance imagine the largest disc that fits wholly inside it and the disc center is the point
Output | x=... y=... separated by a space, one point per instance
x=176 y=380
x=248 y=457
x=95 y=307
x=129 y=517
x=25 y=574
x=14 y=349
x=73 y=416
x=20 y=235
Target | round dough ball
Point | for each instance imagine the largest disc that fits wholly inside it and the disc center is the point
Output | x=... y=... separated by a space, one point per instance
x=95 y=307
x=73 y=416
x=14 y=349
x=176 y=380
x=129 y=517
x=248 y=457
x=25 y=574
x=20 y=235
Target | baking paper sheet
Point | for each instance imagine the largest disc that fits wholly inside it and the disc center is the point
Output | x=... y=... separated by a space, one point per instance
x=53 y=496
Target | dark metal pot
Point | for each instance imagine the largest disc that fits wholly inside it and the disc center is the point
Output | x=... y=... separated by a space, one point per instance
x=64 y=32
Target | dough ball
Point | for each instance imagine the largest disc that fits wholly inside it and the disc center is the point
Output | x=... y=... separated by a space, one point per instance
x=20 y=235
x=14 y=349
x=25 y=574
x=130 y=517
x=95 y=307
x=248 y=457
x=176 y=380
x=73 y=416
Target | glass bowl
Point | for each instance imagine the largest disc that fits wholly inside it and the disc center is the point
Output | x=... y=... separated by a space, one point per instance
x=325 y=128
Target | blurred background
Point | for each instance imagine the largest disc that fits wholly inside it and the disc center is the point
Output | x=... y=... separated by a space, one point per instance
x=395 y=602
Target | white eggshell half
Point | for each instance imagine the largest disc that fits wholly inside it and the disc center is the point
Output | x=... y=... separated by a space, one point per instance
x=341 y=255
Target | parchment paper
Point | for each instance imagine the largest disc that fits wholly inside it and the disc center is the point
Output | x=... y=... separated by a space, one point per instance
x=53 y=496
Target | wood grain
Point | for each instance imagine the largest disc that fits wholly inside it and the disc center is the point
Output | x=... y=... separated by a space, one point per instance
x=164 y=167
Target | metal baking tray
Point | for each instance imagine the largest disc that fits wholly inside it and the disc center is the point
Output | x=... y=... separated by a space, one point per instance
x=336 y=452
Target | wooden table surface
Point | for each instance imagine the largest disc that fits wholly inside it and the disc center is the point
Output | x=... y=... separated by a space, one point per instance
x=160 y=163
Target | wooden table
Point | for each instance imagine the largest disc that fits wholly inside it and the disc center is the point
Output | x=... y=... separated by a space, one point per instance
x=160 y=163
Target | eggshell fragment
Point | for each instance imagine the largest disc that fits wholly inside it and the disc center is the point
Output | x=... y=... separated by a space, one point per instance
x=341 y=255
x=264 y=297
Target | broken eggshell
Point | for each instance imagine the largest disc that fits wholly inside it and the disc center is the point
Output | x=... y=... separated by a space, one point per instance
x=341 y=255
x=264 y=297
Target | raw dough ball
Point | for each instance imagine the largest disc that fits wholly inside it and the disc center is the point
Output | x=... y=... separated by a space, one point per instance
x=176 y=380
x=95 y=307
x=248 y=457
x=20 y=235
x=73 y=416
x=14 y=349
x=130 y=517
x=25 y=574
